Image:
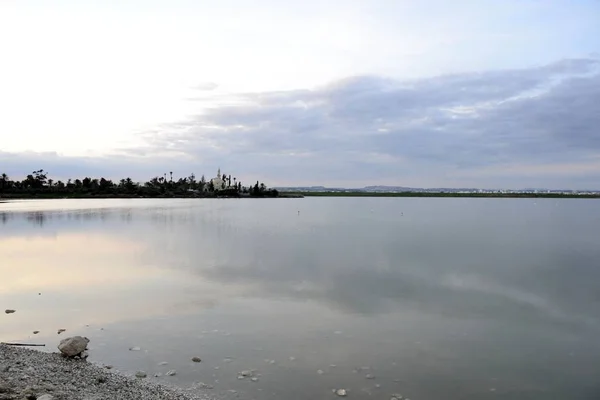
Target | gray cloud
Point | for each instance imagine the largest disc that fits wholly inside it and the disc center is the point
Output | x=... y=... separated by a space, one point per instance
x=506 y=128
x=372 y=128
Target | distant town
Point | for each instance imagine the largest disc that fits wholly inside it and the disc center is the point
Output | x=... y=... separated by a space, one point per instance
x=441 y=192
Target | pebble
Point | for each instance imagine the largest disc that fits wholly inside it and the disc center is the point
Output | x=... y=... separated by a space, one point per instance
x=61 y=331
x=397 y=396
x=9 y=311
x=254 y=379
x=141 y=374
x=108 y=367
x=203 y=385
x=134 y=348
x=292 y=358
x=46 y=397
x=163 y=363
x=246 y=373
x=320 y=372
x=341 y=392
x=36 y=332
x=171 y=372
x=196 y=359
x=370 y=376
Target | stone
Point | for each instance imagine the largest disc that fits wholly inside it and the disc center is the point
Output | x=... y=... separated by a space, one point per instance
x=135 y=348
x=171 y=372
x=196 y=359
x=246 y=373
x=320 y=372
x=108 y=367
x=254 y=379
x=10 y=311
x=101 y=379
x=341 y=392
x=73 y=346
x=203 y=385
x=36 y=332
x=141 y=374
x=61 y=331
x=162 y=364
x=370 y=376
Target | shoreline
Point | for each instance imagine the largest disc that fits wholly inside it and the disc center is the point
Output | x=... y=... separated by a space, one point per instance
x=30 y=374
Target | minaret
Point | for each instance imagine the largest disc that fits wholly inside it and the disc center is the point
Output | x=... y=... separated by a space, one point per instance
x=219 y=173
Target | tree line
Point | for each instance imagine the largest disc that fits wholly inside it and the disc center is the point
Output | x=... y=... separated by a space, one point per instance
x=39 y=184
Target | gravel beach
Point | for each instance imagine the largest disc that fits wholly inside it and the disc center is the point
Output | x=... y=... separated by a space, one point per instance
x=30 y=374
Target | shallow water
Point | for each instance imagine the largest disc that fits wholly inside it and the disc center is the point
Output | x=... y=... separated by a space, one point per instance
x=435 y=298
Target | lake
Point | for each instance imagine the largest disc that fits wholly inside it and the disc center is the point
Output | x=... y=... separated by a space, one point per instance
x=430 y=298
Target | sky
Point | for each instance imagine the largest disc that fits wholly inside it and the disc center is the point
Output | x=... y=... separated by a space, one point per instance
x=429 y=93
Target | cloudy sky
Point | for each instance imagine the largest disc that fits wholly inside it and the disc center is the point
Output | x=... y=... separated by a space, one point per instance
x=429 y=93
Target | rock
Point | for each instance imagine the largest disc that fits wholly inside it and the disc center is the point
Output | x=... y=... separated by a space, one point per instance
x=246 y=373
x=196 y=359
x=292 y=358
x=397 y=396
x=73 y=346
x=141 y=374
x=136 y=348
x=254 y=379
x=162 y=364
x=36 y=332
x=203 y=385
x=171 y=372
x=320 y=372
x=108 y=367
x=10 y=311
x=341 y=392
x=370 y=376
x=101 y=379
x=61 y=331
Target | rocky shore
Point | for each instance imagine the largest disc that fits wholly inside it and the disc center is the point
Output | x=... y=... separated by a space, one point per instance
x=30 y=374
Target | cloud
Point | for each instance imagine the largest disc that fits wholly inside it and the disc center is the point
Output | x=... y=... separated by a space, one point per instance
x=380 y=129
x=510 y=128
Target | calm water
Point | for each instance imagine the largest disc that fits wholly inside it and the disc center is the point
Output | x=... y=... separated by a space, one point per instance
x=436 y=298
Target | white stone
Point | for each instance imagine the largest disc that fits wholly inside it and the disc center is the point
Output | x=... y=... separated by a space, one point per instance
x=254 y=379
x=370 y=376
x=246 y=373
x=341 y=392
x=320 y=372
x=171 y=372
x=73 y=346
x=46 y=397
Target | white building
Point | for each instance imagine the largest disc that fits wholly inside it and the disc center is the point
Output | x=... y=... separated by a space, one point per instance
x=218 y=182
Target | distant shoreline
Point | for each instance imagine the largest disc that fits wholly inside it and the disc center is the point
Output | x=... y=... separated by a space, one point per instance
x=288 y=195
x=445 y=194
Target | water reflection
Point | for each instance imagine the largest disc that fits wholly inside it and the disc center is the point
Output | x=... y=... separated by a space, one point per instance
x=425 y=286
